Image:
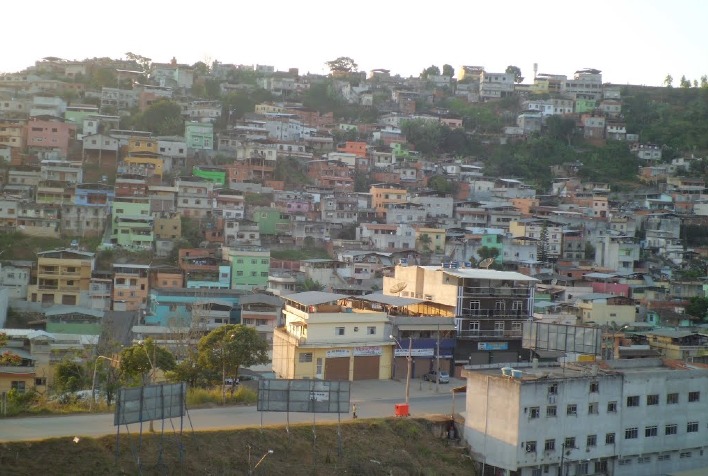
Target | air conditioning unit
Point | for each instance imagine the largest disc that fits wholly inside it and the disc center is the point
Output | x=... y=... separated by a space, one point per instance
x=428 y=297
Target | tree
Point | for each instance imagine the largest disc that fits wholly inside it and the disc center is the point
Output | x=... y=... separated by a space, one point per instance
x=70 y=376
x=310 y=284
x=228 y=348
x=560 y=128
x=430 y=71
x=697 y=307
x=440 y=184
x=669 y=81
x=486 y=252
x=516 y=71
x=425 y=241
x=704 y=81
x=139 y=361
x=343 y=64
x=163 y=117
x=542 y=246
x=684 y=83
x=448 y=70
x=142 y=61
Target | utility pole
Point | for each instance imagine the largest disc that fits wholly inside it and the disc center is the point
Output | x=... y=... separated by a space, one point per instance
x=409 y=369
x=437 y=363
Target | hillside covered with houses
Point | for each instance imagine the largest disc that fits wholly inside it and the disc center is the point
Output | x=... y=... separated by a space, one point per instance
x=331 y=211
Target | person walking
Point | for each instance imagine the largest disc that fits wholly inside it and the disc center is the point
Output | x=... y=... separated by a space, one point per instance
x=354 y=412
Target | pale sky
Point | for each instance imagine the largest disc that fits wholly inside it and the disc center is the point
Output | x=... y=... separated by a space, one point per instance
x=630 y=41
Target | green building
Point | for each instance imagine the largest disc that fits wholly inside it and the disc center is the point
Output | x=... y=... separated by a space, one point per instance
x=74 y=320
x=132 y=224
x=495 y=242
x=271 y=221
x=199 y=135
x=585 y=105
x=250 y=267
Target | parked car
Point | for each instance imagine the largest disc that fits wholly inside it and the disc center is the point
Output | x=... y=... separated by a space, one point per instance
x=433 y=376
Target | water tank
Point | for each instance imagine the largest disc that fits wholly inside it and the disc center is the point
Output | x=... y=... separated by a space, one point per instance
x=506 y=371
x=516 y=373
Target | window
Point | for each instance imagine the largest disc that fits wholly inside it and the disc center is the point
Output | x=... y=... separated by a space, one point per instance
x=530 y=446
x=41 y=381
x=18 y=385
x=694 y=396
x=339 y=331
x=305 y=357
x=650 y=431
x=685 y=454
x=644 y=459
x=239 y=273
x=672 y=399
x=625 y=461
x=591 y=440
x=553 y=389
x=601 y=466
x=371 y=330
x=549 y=445
x=594 y=387
x=611 y=407
x=671 y=429
x=572 y=410
x=633 y=401
x=652 y=399
x=631 y=433
x=319 y=366
x=692 y=427
x=569 y=442
x=664 y=457
x=551 y=411
x=534 y=412
x=609 y=438
x=593 y=408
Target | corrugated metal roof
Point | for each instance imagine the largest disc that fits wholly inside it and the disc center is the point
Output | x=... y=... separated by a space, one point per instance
x=390 y=300
x=311 y=298
x=485 y=274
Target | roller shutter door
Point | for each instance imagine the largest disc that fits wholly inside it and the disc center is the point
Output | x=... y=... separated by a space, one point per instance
x=337 y=368
x=366 y=367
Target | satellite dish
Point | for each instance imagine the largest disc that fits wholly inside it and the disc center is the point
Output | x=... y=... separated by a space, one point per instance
x=486 y=263
x=398 y=287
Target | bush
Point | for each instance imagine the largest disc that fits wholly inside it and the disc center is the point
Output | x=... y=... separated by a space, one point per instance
x=200 y=396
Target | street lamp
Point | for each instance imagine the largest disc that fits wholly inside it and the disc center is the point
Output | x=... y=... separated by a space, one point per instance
x=409 y=359
x=93 y=381
x=152 y=368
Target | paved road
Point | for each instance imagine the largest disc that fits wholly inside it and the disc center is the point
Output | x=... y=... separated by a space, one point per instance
x=373 y=399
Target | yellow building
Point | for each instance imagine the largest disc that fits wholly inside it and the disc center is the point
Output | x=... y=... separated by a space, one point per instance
x=325 y=338
x=63 y=277
x=144 y=164
x=137 y=145
x=28 y=368
x=168 y=226
x=605 y=309
x=429 y=239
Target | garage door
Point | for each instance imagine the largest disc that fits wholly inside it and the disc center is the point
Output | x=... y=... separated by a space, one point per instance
x=337 y=368
x=366 y=368
x=421 y=366
x=400 y=368
x=504 y=357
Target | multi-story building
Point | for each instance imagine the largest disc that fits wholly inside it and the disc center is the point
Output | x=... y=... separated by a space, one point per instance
x=623 y=417
x=83 y=220
x=15 y=277
x=130 y=286
x=339 y=208
x=50 y=134
x=325 y=336
x=534 y=228
x=204 y=268
x=63 y=277
x=199 y=136
x=489 y=306
x=62 y=171
x=249 y=266
x=495 y=85
x=32 y=349
x=132 y=224
x=195 y=196
x=382 y=195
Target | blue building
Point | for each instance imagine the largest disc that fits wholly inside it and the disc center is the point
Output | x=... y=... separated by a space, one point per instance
x=174 y=307
x=94 y=194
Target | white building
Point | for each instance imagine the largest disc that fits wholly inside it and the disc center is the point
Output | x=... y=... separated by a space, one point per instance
x=624 y=418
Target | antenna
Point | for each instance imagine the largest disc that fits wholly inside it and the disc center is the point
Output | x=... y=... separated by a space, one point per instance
x=398 y=287
x=486 y=263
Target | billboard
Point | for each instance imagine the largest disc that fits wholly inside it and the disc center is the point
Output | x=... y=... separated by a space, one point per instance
x=561 y=337
x=151 y=402
x=310 y=396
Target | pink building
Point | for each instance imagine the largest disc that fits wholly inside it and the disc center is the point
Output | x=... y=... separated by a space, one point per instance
x=47 y=134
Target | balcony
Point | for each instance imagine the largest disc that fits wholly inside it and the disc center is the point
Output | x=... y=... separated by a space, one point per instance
x=496 y=292
x=495 y=314
x=489 y=334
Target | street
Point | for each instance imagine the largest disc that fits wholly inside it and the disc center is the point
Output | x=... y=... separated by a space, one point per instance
x=373 y=399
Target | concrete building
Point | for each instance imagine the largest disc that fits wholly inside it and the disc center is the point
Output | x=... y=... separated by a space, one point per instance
x=623 y=417
x=63 y=277
x=249 y=267
x=130 y=286
x=326 y=337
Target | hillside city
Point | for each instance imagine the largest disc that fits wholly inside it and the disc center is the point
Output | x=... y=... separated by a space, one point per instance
x=541 y=237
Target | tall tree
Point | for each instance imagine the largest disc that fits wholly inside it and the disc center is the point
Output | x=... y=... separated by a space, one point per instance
x=704 y=81
x=430 y=71
x=542 y=246
x=343 y=64
x=163 y=117
x=228 y=348
x=684 y=83
x=70 y=376
x=448 y=70
x=516 y=71
x=141 y=361
x=142 y=61
x=669 y=81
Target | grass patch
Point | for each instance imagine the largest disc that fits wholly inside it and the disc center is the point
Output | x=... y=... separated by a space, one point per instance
x=367 y=448
x=202 y=396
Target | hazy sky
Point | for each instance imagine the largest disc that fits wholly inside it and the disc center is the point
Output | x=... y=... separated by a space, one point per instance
x=631 y=41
